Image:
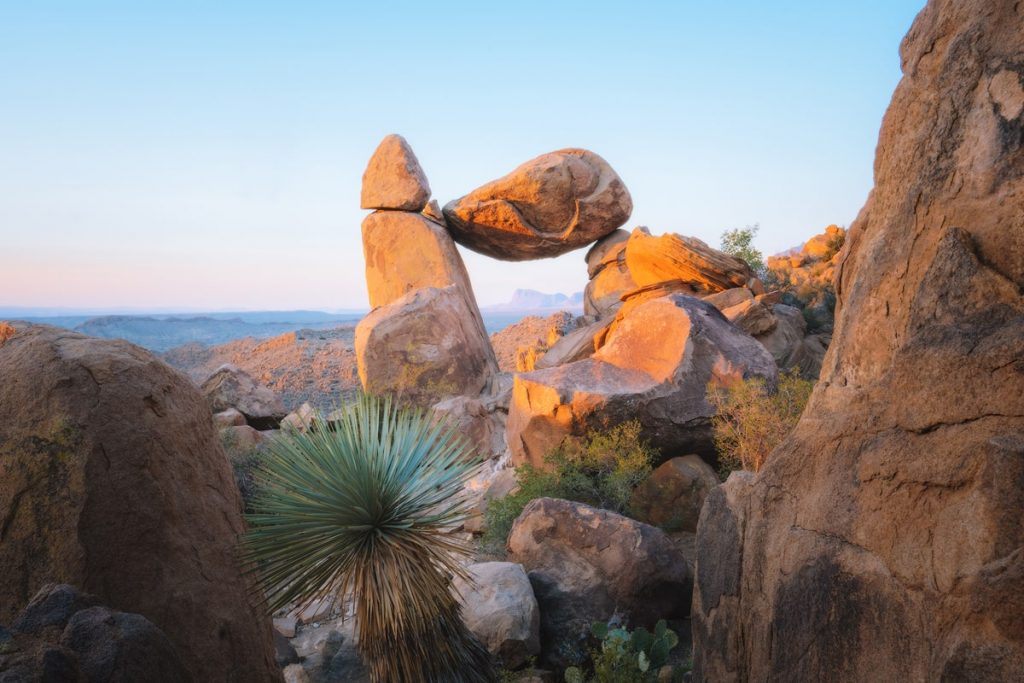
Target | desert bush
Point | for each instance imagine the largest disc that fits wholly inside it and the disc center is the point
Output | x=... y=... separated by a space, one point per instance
x=740 y=243
x=752 y=419
x=601 y=469
x=364 y=510
x=628 y=657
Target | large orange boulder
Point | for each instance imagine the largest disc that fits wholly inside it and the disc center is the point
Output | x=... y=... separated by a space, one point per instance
x=653 y=364
x=548 y=206
x=884 y=540
x=672 y=258
x=112 y=478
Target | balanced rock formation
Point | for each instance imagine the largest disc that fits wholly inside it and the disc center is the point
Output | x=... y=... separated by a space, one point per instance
x=586 y=564
x=654 y=365
x=425 y=338
x=231 y=387
x=548 y=206
x=393 y=178
x=112 y=479
x=884 y=540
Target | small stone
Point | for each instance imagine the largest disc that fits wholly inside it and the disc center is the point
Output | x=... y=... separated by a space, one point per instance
x=393 y=178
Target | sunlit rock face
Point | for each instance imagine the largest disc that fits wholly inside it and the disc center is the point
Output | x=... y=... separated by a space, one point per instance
x=424 y=340
x=393 y=178
x=884 y=540
x=112 y=477
x=654 y=364
x=548 y=206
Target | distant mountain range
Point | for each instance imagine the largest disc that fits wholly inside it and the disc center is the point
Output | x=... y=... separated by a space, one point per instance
x=532 y=300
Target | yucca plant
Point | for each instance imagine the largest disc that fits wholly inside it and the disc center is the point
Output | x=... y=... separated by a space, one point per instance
x=360 y=508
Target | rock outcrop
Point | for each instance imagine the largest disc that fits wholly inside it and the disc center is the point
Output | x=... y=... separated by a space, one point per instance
x=672 y=258
x=112 y=478
x=548 y=206
x=231 y=387
x=654 y=365
x=500 y=610
x=424 y=338
x=393 y=178
x=884 y=539
x=609 y=275
x=587 y=564
x=518 y=346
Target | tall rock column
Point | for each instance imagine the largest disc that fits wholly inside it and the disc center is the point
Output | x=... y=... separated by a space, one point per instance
x=884 y=540
x=424 y=340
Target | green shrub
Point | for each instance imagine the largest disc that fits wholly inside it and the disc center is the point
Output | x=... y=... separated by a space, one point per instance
x=628 y=657
x=752 y=420
x=364 y=509
x=601 y=469
x=740 y=243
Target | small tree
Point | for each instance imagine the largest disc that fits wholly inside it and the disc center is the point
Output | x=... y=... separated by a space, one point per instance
x=752 y=420
x=740 y=243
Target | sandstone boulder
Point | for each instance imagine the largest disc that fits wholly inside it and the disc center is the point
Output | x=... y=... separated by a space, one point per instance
x=884 y=539
x=425 y=346
x=752 y=317
x=550 y=205
x=405 y=252
x=675 y=258
x=672 y=496
x=228 y=418
x=393 y=178
x=112 y=478
x=231 y=387
x=654 y=365
x=587 y=564
x=604 y=292
x=483 y=429
x=728 y=298
x=574 y=346
x=500 y=609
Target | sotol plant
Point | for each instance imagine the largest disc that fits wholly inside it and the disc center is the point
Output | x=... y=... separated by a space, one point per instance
x=361 y=509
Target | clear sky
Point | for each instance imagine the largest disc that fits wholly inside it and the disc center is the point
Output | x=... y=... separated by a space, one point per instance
x=201 y=155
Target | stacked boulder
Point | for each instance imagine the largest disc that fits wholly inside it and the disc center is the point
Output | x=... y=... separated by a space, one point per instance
x=424 y=340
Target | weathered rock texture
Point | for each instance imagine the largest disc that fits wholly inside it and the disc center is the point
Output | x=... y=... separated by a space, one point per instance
x=112 y=478
x=587 y=564
x=232 y=387
x=687 y=260
x=393 y=178
x=555 y=203
x=672 y=496
x=654 y=365
x=424 y=346
x=884 y=540
x=500 y=610
x=609 y=275
x=424 y=338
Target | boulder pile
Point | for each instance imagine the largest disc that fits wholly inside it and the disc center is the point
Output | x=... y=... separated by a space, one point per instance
x=884 y=540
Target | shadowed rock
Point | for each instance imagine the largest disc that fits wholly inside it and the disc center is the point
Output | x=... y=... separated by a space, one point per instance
x=884 y=539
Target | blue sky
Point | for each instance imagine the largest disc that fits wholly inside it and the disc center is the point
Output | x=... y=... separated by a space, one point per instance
x=207 y=156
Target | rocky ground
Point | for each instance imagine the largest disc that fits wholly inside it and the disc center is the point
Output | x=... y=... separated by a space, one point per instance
x=315 y=366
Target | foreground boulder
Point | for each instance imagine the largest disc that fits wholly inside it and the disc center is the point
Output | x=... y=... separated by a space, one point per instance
x=548 y=206
x=64 y=635
x=884 y=540
x=653 y=365
x=231 y=387
x=112 y=478
x=500 y=610
x=587 y=564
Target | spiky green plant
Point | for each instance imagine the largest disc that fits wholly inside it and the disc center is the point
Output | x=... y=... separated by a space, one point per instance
x=360 y=508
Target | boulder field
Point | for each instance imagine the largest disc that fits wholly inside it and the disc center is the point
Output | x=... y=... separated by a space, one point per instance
x=884 y=540
x=112 y=479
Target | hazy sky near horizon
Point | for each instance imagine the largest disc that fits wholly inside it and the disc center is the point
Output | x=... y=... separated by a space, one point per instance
x=207 y=156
